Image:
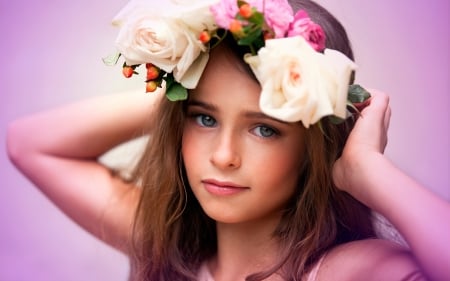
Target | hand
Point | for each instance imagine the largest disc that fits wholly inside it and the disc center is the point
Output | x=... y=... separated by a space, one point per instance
x=368 y=139
x=421 y=217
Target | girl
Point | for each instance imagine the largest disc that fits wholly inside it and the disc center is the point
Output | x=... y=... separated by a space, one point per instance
x=227 y=191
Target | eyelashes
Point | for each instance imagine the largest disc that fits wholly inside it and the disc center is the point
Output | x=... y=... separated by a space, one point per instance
x=204 y=120
x=265 y=131
x=261 y=130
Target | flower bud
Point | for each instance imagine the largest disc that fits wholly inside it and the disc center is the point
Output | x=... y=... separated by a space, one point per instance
x=236 y=27
x=152 y=72
x=204 y=37
x=127 y=71
x=151 y=86
x=245 y=11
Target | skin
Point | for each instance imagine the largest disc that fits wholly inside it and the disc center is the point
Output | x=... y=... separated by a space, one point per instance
x=62 y=162
x=423 y=219
x=228 y=139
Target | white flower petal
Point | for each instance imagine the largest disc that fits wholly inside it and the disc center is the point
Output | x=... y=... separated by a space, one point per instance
x=192 y=76
x=164 y=34
x=300 y=84
x=343 y=67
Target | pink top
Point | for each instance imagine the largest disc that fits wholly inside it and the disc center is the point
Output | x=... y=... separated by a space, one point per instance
x=205 y=275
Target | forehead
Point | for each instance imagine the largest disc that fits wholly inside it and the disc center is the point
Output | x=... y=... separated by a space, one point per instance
x=226 y=74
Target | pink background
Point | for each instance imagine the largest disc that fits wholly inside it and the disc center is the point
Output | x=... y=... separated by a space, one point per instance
x=51 y=54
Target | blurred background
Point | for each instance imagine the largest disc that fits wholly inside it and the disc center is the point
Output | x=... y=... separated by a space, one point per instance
x=51 y=54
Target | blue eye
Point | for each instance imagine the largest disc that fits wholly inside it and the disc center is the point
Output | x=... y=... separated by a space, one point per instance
x=265 y=131
x=205 y=120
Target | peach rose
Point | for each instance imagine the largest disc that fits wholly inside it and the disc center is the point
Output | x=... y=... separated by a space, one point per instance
x=300 y=84
x=166 y=34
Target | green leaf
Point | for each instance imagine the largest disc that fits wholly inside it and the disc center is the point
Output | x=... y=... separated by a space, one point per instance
x=111 y=59
x=169 y=80
x=335 y=120
x=176 y=92
x=250 y=38
x=357 y=94
x=257 y=18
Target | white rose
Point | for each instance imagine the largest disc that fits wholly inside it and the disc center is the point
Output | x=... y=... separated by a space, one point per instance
x=166 y=34
x=300 y=84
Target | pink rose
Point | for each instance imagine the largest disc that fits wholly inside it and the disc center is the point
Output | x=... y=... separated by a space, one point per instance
x=305 y=27
x=224 y=12
x=277 y=13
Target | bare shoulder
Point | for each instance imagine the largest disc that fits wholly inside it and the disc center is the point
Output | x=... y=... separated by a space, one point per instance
x=371 y=259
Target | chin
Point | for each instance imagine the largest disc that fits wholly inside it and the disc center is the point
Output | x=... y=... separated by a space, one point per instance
x=223 y=215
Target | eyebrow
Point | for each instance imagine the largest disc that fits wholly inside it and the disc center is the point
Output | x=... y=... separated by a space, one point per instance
x=247 y=113
x=205 y=105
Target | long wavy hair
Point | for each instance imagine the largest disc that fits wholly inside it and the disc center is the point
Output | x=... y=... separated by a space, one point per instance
x=172 y=235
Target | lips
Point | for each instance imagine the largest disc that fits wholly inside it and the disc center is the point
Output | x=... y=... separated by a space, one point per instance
x=223 y=188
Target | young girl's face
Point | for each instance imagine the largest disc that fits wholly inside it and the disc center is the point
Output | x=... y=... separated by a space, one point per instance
x=241 y=164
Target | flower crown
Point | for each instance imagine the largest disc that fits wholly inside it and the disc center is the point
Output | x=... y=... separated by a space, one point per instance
x=301 y=80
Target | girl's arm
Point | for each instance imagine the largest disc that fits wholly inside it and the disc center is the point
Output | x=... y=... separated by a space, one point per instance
x=420 y=216
x=58 y=151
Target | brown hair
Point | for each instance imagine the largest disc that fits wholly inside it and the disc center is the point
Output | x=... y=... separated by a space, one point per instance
x=173 y=236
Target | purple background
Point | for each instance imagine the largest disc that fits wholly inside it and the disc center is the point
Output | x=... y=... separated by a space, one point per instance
x=51 y=54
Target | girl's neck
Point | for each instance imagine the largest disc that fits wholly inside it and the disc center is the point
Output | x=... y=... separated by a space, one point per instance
x=244 y=248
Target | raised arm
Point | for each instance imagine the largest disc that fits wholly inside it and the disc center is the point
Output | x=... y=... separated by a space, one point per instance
x=58 y=151
x=420 y=216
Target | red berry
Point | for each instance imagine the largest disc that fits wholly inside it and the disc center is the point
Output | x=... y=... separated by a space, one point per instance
x=245 y=11
x=127 y=71
x=152 y=72
x=204 y=37
x=151 y=86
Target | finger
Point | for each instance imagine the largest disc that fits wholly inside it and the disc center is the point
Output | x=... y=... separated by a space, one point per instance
x=361 y=105
x=387 y=118
x=379 y=112
x=376 y=107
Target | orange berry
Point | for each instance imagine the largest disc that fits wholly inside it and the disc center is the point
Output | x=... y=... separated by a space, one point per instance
x=246 y=11
x=151 y=86
x=236 y=27
x=268 y=35
x=204 y=37
x=127 y=71
x=152 y=72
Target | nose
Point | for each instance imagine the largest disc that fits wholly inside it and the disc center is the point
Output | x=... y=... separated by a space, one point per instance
x=226 y=152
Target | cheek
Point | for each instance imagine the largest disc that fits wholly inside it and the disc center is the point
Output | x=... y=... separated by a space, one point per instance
x=186 y=146
x=278 y=179
x=190 y=149
x=286 y=163
x=285 y=167
x=280 y=166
